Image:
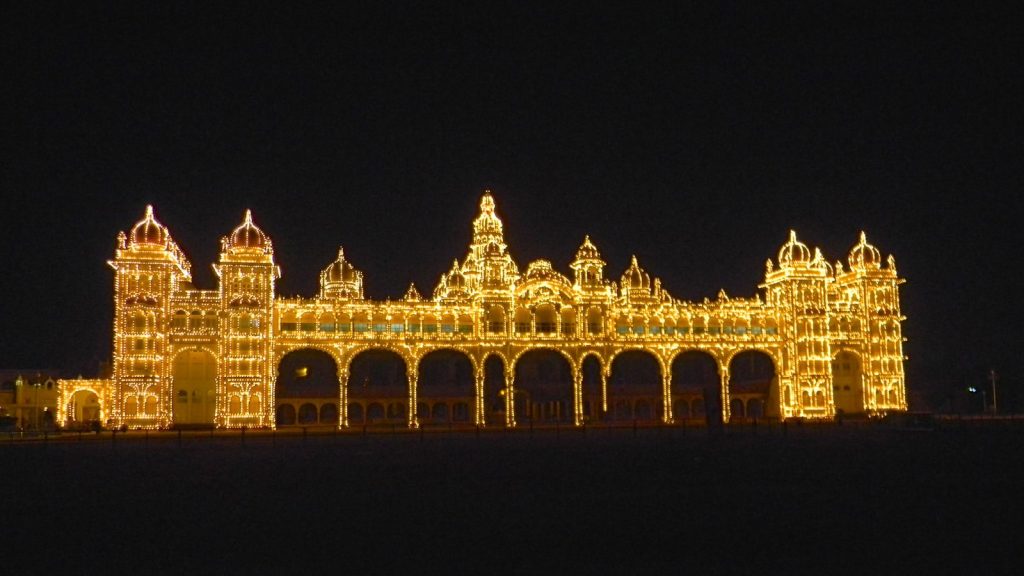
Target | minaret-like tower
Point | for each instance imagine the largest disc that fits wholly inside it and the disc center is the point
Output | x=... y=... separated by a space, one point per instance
x=148 y=268
x=247 y=273
x=489 y=272
x=798 y=290
x=870 y=290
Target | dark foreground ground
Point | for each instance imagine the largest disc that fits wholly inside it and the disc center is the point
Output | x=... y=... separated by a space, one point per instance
x=827 y=501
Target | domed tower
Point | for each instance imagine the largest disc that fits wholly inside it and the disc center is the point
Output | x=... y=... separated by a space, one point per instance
x=588 y=268
x=636 y=283
x=868 y=305
x=148 y=268
x=798 y=291
x=247 y=273
x=341 y=280
x=495 y=269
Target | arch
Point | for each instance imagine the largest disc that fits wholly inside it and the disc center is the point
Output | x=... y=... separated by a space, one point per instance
x=329 y=413
x=285 y=415
x=543 y=386
x=84 y=407
x=635 y=381
x=194 y=372
x=494 y=389
x=695 y=379
x=306 y=376
x=496 y=319
x=567 y=319
x=595 y=321
x=523 y=321
x=355 y=413
x=546 y=316
x=752 y=375
x=378 y=376
x=591 y=378
x=446 y=376
x=847 y=383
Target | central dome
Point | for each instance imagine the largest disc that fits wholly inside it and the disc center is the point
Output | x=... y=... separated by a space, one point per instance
x=247 y=235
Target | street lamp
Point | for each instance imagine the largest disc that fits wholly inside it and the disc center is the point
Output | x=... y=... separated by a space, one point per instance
x=984 y=401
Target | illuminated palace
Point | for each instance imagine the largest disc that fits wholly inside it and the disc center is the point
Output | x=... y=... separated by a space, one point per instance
x=493 y=346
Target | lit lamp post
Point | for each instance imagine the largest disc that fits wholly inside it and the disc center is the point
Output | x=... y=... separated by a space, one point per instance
x=984 y=400
x=36 y=385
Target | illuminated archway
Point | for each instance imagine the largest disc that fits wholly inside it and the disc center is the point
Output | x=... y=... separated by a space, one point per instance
x=494 y=391
x=847 y=383
x=753 y=387
x=446 y=379
x=378 y=379
x=543 y=388
x=194 y=378
x=634 y=387
x=83 y=408
x=305 y=377
x=593 y=400
x=696 y=387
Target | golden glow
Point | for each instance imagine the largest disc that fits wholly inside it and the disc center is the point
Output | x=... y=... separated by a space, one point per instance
x=813 y=317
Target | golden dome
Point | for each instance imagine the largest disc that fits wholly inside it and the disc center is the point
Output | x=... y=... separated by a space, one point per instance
x=456 y=279
x=587 y=251
x=340 y=270
x=148 y=231
x=864 y=256
x=635 y=276
x=247 y=235
x=794 y=252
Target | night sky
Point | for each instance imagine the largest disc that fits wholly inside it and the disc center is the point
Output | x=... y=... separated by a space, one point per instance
x=692 y=136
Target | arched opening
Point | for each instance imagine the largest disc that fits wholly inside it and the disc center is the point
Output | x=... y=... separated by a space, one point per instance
x=523 y=320
x=695 y=381
x=847 y=386
x=194 y=376
x=593 y=404
x=285 y=415
x=329 y=413
x=543 y=388
x=634 y=387
x=494 y=391
x=83 y=409
x=446 y=376
x=495 y=320
x=378 y=378
x=752 y=378
x=307 y=414
x=305 y=377
x=595 y=321
x=545 y=316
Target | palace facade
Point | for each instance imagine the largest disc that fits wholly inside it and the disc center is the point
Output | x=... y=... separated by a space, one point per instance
x=494 y=345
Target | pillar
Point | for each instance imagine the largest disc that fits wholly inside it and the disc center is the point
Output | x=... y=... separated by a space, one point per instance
x=724 y=376
x=577 y=396
x=666 y=392
x=343 y=398
x=413 y=377
x=481 y=402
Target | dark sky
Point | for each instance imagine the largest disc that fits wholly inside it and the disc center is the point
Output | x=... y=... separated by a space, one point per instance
x=692 y=136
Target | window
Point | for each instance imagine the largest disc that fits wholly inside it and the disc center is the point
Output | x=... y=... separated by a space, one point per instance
x=362 y=327
x=380 y=327
x=397 y=328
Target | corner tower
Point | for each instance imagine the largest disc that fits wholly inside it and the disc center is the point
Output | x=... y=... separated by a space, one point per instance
x=148 y=268
x=247 y=274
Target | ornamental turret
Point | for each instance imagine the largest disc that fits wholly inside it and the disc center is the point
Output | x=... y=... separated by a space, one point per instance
x=588 y=268
x=341 y=280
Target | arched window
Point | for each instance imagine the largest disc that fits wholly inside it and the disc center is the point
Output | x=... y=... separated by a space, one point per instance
x=595 y=322
x=545 y=315
x=496 y=320
x=523 y=320
x=568 y=321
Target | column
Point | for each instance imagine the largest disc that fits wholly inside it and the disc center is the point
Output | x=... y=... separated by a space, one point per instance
x=343 y=398
x=666 y=391
x=413 y=378
x=724 y=375
x=481 y=402
x=577 y=396
x=510 y=405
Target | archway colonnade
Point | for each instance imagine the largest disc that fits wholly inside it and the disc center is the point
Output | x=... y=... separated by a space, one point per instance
x=510 y=386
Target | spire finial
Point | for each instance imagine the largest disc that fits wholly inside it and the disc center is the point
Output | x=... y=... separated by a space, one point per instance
x=149 y=211
x=248 y=217
x=863 y=237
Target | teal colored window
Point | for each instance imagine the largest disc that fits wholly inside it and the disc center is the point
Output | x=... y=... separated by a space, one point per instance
x=362 y=326
x=380 y=328
x=447 y=328
x=397 y=328
x=771 y=330
x=713 y=330
x=655 y=330
x=638 y=329
x=622 y=329
x=756 y=330
x=345 y=327
x=430 y=328
x=741 y=330
x=465 y=328
x=327 y=327
x=414 y=328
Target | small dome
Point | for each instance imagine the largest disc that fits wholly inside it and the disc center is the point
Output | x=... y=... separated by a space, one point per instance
x=456 y=279
x=148 y=231
x=635 y=276
x=587 y=251
x=340 y=270
x=247 y=235
x=864 y=256
x=794 y=252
